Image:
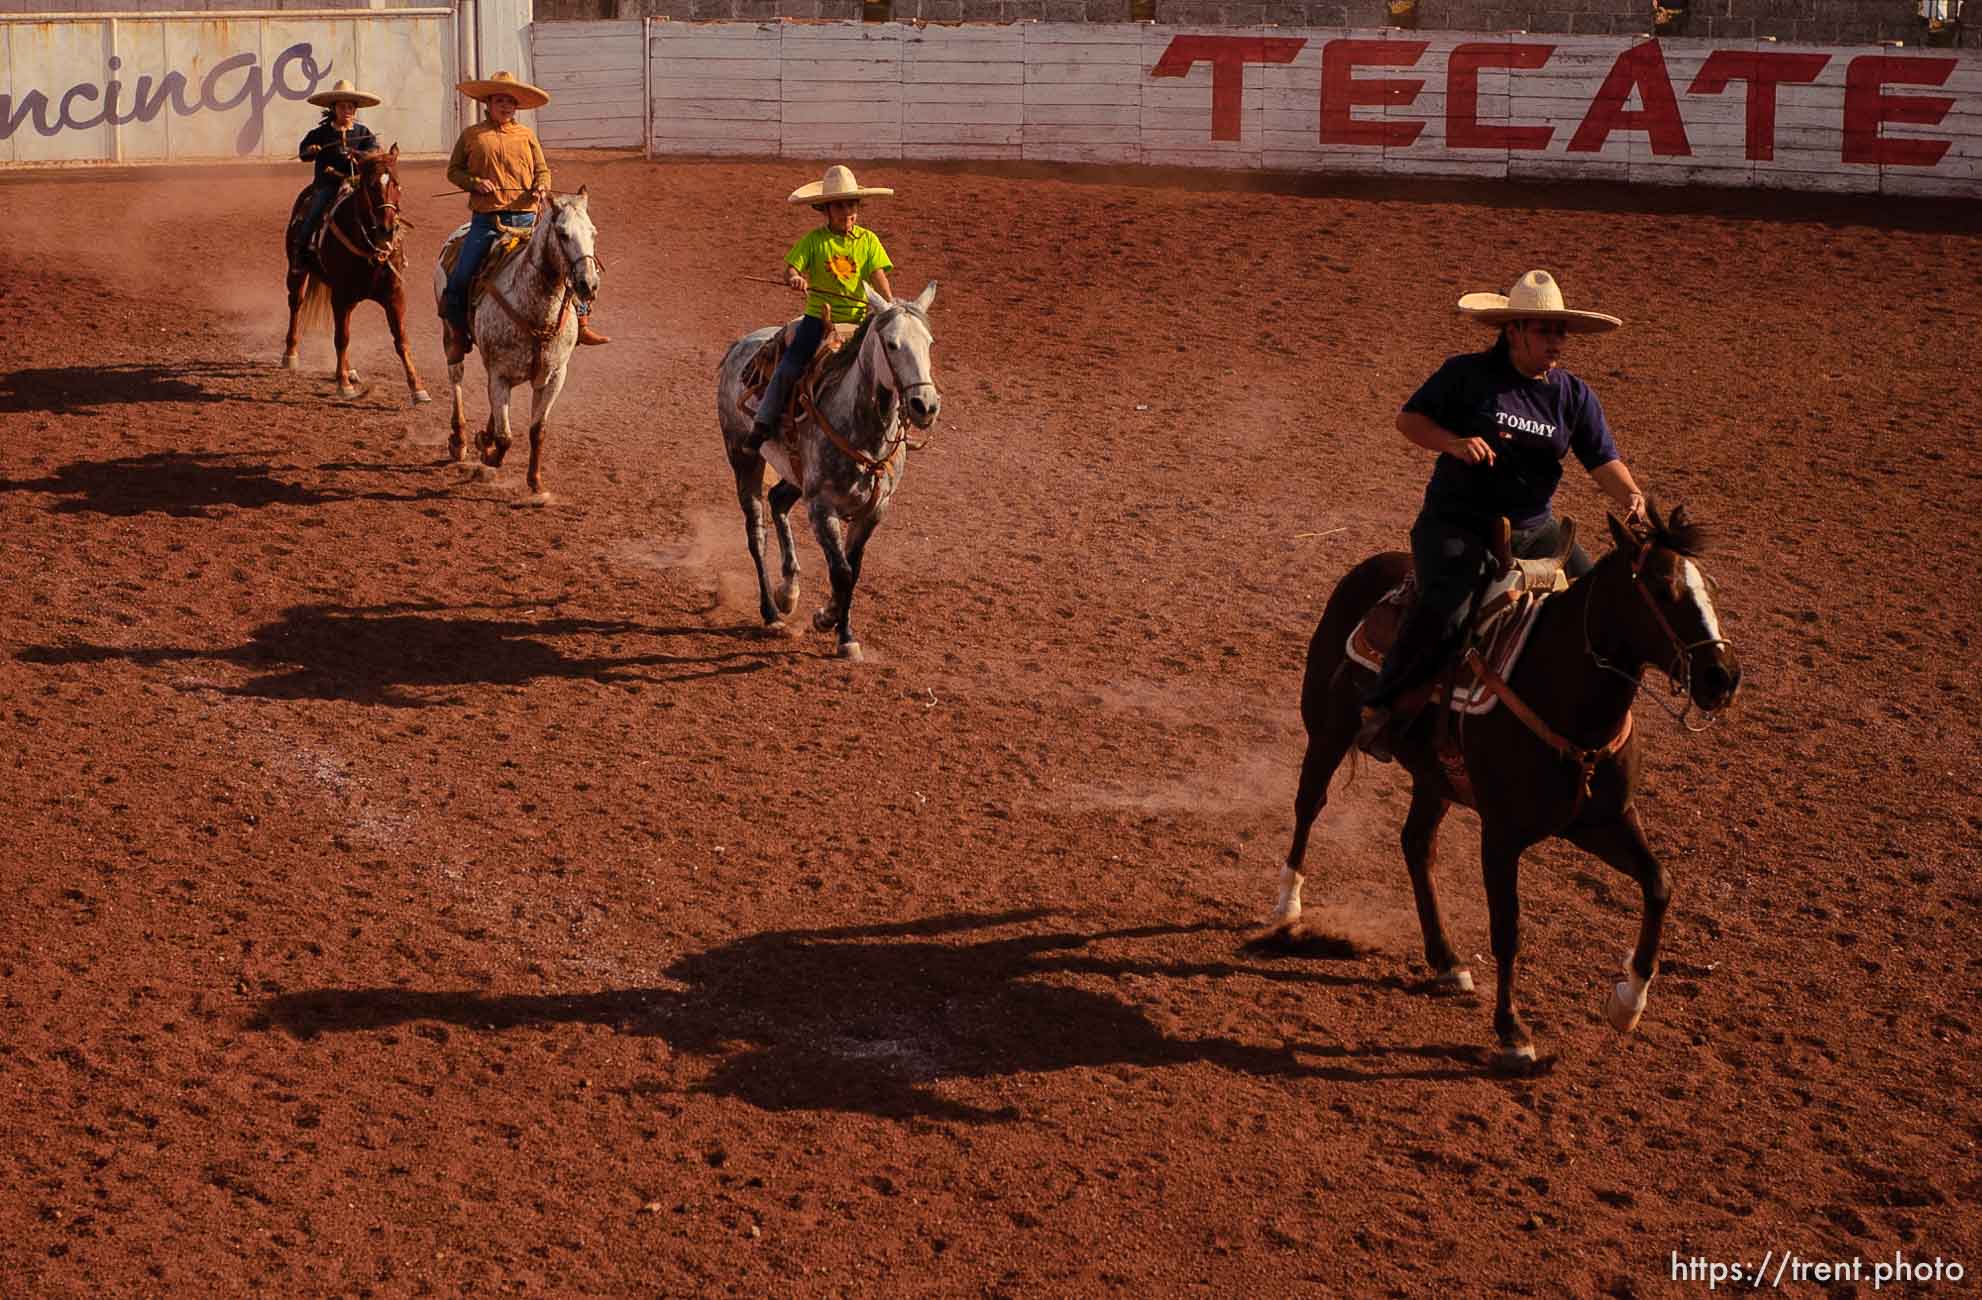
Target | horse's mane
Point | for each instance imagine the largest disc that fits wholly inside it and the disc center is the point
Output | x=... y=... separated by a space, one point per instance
x=837 y=364
x=1675 y=532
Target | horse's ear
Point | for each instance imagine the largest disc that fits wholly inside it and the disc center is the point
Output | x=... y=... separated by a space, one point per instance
x=1622 y=537
x=927 y=296
x=582 y=190
x=393 y=153
x=875 y=302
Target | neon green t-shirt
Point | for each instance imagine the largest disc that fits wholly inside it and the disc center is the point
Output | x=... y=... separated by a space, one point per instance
x=840 y=262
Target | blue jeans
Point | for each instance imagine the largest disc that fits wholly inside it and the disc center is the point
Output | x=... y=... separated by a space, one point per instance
x=320 y=198
x=483 y=231
x=1450 y=557
x=804 y=342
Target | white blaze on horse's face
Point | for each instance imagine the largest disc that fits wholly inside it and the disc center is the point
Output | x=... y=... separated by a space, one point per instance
x=571 y=226
x=1700 y=598
x=905 y=340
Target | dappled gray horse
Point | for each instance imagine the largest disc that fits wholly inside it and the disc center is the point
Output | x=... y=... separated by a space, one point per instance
x=526 y=324
x=843 y=450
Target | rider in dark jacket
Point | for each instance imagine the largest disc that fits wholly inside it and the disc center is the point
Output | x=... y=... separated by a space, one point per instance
x=334 y=145
x=1502 y=421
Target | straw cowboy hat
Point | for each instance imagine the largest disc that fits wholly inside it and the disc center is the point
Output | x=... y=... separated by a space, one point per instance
x=839 y=184
x=1535 y=296
x=502 y=83
x=346 y=91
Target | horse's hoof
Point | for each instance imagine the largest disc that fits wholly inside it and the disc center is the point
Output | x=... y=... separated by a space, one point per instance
x=292 y=362
x=850 y=651
x=421 y=397
x=1456 y=980
x=1626 y=1005
x=1515 y=1060
x=824 y=620
x=351 y=390
x=541 y=497
x=785 y=598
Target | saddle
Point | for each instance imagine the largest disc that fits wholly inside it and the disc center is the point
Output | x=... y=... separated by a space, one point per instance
x=1497 y=632
x=758 y=370
x=507 y=245
x=305 y=245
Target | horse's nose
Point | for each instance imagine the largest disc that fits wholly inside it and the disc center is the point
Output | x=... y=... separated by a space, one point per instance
x=1718 y=684
x=922 y=409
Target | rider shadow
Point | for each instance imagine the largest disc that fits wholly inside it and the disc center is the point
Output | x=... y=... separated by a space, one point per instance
x=184 y=484
x=870 y=1019
x=56 y=389
x=381 y=654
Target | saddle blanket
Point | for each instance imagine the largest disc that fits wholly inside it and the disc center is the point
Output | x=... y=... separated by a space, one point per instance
x=758 y=370
x=1500 y=640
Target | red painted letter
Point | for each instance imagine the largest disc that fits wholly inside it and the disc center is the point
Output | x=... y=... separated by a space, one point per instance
x=1340 y=91
x=1763 y=72
x=1462 y=97
x=1228 y=57
x=1641 y=67
x=1866 y=110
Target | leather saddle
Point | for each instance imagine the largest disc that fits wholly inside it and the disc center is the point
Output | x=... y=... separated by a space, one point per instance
x=758 y=370
x=1498 y=627
x=301 y=243
x=506 y=246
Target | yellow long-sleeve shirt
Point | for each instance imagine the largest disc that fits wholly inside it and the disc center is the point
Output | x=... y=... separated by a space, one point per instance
x=507 y=156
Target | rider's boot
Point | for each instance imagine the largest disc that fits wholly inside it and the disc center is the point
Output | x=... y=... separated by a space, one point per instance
x=1407 y=664
x=770 y=412
x=587 y=336
x=455 y=336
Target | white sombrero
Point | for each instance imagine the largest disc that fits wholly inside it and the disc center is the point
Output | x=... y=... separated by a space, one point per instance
x=838 y=184
x=344 y=90
x=502 y=83
x=1535 y=296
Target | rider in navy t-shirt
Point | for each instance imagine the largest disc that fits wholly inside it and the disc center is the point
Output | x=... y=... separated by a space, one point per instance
x=1501 y=420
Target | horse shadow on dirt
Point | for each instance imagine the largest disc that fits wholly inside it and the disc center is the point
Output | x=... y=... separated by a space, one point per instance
x=56 y=389
x=186 y=484
x=382 y=654
x=869 y=1018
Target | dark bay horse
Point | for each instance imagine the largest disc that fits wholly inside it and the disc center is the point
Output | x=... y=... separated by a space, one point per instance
x=843 y=454
x=359 y=258
x=1646 y=604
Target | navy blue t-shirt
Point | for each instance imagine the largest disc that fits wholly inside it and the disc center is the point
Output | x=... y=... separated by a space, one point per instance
x=1531 y=424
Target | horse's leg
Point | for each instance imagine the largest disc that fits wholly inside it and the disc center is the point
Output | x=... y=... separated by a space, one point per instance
x=347 y=383
x=457 y=439
x=495 y=436
x=1420 y=839
x=783 y=496
x=541 y=400
x=291 y=354
x=395 y=319
x=1330 y=734
x=1500 y=859
x=1621 y=843
x=748 y=467
x=830 y=531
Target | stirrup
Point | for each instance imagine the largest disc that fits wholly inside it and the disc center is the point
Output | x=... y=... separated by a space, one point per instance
x=1374 y=737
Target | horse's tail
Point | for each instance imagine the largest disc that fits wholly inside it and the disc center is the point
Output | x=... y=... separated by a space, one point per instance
x=314 y=314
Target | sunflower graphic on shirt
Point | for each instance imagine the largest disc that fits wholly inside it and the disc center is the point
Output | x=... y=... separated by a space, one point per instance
x=841 y=266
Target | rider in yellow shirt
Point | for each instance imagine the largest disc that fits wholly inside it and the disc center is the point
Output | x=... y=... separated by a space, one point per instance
x=831 y=264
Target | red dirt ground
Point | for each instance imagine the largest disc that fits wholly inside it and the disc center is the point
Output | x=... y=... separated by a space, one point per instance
x=412 y=890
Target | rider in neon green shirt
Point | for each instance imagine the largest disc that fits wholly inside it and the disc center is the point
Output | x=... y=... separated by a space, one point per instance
x=831 y=264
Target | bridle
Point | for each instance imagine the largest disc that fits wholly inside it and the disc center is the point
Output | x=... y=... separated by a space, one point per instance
x=900 y=431
x=1680 y=673
x=386 y=252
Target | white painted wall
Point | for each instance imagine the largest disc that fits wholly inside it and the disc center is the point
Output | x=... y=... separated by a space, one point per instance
x=1093 y=93
x=97 y=64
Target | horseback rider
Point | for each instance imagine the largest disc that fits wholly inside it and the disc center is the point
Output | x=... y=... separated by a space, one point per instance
x=1501 y=421
x=839 y=257
x=501 y=165
x=335 y=143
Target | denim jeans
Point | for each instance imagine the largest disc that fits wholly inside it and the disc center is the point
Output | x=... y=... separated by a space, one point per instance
x=804 y=342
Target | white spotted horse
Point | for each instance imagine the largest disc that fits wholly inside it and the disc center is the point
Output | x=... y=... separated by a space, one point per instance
x=523 y=311
x=842 y=450
x=1558 y=758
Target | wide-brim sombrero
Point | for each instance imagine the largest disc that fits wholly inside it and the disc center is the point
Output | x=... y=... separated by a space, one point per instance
x=502 y=83
x=1535 y=296
x=344 y=90
x=837 y=185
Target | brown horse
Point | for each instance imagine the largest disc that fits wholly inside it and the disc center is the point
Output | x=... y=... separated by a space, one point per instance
x=359 y=257
x=1569 y=770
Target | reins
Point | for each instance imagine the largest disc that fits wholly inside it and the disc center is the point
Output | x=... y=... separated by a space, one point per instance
x=893 y=440
x=542 y=332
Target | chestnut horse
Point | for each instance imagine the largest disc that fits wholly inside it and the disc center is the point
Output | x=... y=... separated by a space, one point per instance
x=1570 y=770
x=359 y=257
